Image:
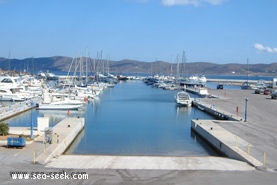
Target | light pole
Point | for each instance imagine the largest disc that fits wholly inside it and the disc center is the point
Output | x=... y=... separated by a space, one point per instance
x=245 y=110
x=32 y=124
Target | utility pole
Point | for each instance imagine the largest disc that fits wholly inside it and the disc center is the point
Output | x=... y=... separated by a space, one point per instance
x=245 y=110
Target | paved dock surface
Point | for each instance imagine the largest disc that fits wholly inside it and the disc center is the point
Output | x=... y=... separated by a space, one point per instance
x=224 y=141
x=39 y=152
x=148 y=163
x=64 y=134
x=142 y=177
x=261 y=127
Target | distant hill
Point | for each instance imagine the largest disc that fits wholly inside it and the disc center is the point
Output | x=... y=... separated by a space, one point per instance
x=60 y=63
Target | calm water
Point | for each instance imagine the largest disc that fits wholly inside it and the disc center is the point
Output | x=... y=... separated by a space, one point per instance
x=136 y=119
x=131 y=119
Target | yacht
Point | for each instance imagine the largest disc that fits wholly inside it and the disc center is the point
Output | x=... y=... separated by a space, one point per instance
x=7 y=82
x=66 y=104
x=57 y=102
x=50 y=106
x=8 y=95
x=183 y=99
x=200 y=91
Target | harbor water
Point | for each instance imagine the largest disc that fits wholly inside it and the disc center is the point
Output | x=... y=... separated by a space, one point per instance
x=135 y=119
x=131 y=119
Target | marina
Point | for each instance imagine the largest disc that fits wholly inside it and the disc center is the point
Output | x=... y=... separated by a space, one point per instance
x=138 y=92
x=163 y=129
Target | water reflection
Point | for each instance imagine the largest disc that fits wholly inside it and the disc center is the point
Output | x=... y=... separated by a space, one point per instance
x=132 y=119
x=183 y=110
x=76 y=142
x=136 y=119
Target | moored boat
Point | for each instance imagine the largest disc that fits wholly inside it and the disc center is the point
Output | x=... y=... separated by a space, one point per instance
x=50 y=106
x=183 y=99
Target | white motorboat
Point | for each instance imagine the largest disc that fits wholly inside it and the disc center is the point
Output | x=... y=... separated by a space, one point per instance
x=183 y=98
x=7 y=82
x=200 y=91
x=59 y=104
x=8 y=95
x=50 y=106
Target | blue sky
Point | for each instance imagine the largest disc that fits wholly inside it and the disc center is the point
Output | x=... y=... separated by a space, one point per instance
x=219 y=31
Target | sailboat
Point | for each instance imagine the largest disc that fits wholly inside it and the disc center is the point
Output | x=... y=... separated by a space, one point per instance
x=246 y=85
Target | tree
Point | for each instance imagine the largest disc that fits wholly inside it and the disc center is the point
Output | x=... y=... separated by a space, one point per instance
x=4 y=129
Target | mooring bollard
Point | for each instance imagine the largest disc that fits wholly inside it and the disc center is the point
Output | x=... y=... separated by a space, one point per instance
x=58 y=138
x=44 y=146
x=34 y=157
x=264 y=159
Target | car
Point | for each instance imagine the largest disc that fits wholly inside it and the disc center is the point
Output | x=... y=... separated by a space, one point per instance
x=219 y=86
x=267 y=92
x=259 y=91
x=274 y=95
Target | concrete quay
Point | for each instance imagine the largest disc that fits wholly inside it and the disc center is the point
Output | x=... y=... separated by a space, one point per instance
x=212 y=110
x=234 y=81
x=224 y=141
x=64 y=134
x=148 y=163
x=259 y=129
x=40 y=153
x=14 y=109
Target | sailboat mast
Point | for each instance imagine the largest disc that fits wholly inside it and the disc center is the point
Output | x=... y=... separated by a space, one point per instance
x=247 y=70
x=183 y=64
x=87 y=67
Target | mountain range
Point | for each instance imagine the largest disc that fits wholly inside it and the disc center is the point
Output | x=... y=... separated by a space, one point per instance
x=126 y=66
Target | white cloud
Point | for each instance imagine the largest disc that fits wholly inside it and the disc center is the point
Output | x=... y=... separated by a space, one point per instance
x=261 y=47
x=191 y=2
x=215 y=2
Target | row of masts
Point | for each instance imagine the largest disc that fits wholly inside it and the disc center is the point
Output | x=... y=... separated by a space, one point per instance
x=83 y=67
x=180 y=72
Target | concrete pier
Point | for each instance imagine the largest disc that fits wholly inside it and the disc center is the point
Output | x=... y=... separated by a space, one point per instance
x=234 y=81
x=260 y=127
x=148 y=163
x=63 y=135
x=212 y=110
x=16 y=108
x=38 y=152
x=224 y=141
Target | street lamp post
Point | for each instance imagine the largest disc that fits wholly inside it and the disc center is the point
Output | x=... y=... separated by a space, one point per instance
x=32 y=124
x=245 y=110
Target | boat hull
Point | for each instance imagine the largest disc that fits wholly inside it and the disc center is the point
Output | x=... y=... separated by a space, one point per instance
x=184 y=103
x=58 y=107
x=183 y=99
